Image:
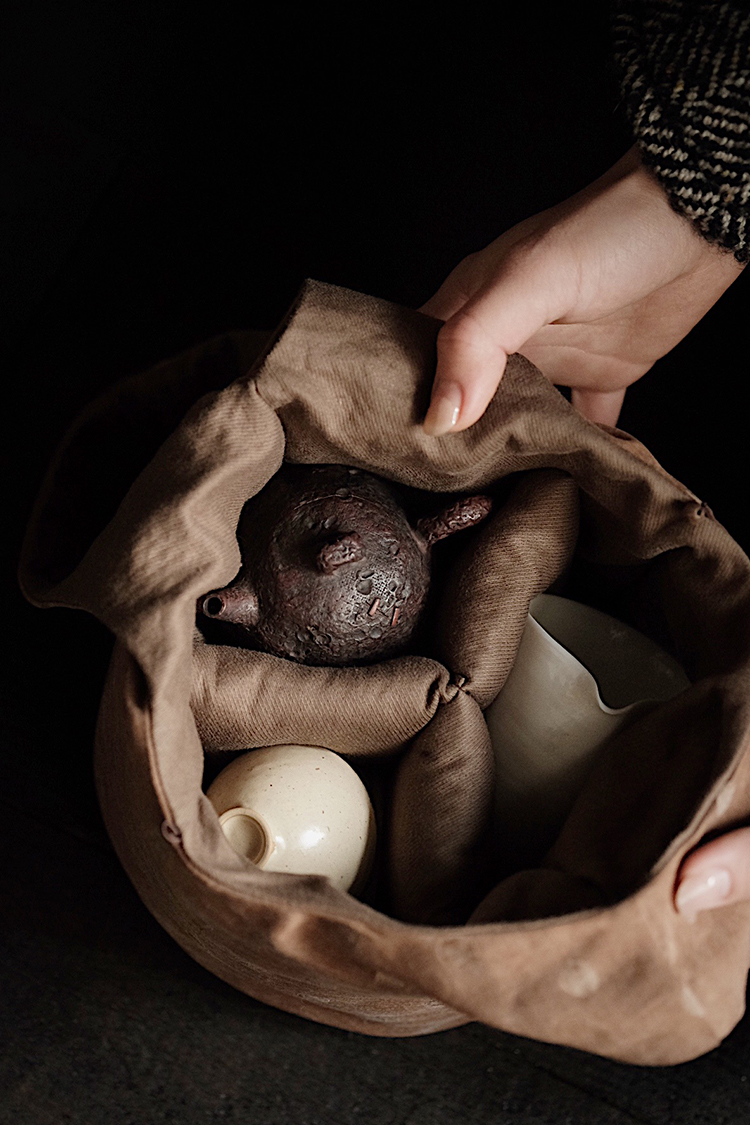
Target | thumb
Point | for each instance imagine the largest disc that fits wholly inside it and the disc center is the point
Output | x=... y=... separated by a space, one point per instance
x=716 y=874
x=474 y=344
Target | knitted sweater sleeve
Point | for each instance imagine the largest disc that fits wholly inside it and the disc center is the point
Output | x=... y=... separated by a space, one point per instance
x=685 y=78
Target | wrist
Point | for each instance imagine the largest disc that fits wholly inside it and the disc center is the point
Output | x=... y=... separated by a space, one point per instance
x=700 y=251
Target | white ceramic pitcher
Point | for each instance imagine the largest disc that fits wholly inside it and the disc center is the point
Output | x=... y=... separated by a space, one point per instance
x=579 y=675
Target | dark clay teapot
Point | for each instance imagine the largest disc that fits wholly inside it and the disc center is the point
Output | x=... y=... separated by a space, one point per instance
x=332 y=571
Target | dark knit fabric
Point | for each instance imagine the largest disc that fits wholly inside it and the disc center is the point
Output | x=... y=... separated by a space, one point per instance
x=685 y=75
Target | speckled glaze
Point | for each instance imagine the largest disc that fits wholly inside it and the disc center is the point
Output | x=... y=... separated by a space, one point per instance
x=332 y=571
x=300 y=809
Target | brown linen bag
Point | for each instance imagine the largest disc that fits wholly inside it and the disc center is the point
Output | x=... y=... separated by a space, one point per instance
x=137 y=518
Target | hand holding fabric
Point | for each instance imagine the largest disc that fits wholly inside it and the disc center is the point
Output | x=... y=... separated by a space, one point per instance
x=716 y=874
x=593 y=291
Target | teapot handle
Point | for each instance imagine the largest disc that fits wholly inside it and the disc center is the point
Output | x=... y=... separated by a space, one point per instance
x=459 y=516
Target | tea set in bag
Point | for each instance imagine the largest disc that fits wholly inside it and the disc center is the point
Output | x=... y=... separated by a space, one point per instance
x=574 y=939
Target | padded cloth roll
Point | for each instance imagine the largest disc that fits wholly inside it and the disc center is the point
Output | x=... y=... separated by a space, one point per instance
x=137 y=518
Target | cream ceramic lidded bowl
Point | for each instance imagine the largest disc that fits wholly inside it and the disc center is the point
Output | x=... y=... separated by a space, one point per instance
x=299 y=809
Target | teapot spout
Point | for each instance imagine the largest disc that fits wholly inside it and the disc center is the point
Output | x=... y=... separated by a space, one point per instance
x=237 y=604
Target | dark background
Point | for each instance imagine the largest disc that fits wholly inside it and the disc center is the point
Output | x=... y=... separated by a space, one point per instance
x=172 y=176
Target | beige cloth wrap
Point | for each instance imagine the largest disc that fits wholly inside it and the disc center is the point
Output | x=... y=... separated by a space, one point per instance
x=137 y=518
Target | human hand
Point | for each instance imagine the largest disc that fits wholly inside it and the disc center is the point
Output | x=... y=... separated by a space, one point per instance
x=717 y=874
x=593 y=292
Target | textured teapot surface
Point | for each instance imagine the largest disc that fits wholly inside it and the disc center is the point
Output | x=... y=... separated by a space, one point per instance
x=332 y=570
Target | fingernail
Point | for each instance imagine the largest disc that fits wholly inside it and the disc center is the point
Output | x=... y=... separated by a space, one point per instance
x=702 y=892
x=444 y=411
